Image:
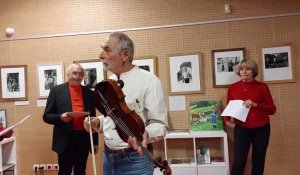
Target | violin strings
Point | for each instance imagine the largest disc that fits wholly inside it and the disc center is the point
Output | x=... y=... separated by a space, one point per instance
x=125 y=129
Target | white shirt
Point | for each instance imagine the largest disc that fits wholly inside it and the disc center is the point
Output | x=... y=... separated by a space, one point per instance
x=143 y=94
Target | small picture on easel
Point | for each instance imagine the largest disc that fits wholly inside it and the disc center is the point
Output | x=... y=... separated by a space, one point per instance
x=3 y=118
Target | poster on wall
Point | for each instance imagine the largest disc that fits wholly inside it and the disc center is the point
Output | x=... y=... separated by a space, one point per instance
x=49 y=75
x=205 y=116
x=225 y=62
x=94 y=72
x=277 y=64
x=185 y=73
x=13 y=83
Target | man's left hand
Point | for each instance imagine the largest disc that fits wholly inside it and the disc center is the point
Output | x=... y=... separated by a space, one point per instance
x=132 y=142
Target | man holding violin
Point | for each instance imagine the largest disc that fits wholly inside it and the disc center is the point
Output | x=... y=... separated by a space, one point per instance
x=144 y=95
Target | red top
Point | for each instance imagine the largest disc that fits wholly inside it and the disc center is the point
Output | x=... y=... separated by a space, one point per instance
x=257 y=92
x=77 y=105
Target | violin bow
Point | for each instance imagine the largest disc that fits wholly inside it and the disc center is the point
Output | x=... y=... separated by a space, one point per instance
x=92 y=144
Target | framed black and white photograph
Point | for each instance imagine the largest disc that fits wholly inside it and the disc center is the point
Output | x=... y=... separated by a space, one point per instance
x=185 y=73
x=94 y=72
x=13 y=83
x=8 y=172
x=146 y=63
x=49 y=76
x=3 y=118
x=277 y=64
x=224 y=64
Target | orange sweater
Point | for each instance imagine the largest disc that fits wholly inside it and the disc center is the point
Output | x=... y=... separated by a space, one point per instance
x=77 y=105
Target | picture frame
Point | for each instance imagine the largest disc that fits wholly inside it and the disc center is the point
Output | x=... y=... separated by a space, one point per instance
x=185 y=72
x=8 y=172
x=3 y=120
x=49 y=75
x=224 y=62
x=94 y=72
x=147 y=63
x=277 y=64
x=13 y=82
x=205 y=116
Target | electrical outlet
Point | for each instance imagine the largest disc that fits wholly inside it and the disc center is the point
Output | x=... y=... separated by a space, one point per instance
x=42 y=167
x=36 y=167
x=49 y=167
x=55 y=166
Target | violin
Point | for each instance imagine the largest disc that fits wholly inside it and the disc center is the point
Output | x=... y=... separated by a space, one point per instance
x=5 y=135
x=110 y=101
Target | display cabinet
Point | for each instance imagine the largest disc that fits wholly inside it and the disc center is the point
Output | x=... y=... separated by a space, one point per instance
x=182 y=150
x=8 y=158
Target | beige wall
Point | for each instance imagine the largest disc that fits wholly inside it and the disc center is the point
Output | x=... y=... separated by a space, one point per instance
x=64 y=31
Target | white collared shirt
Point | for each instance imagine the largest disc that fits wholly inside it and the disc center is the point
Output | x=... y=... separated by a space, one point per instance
x=143 y=94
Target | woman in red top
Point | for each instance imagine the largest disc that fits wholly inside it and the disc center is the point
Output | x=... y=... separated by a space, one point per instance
x=256 y=129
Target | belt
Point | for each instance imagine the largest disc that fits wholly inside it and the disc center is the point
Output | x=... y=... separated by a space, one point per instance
x=118 y=151
x=125 y=150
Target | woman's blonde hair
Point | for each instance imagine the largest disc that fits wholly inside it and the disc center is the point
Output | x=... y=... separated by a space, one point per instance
x=249 y=64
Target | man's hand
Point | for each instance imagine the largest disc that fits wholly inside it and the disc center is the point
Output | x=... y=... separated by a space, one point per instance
x=132 y=143
x=65 y=118
x=95 y=123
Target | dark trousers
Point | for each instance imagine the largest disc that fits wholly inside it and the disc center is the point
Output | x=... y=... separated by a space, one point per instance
x=243 y=138
x=75 y=155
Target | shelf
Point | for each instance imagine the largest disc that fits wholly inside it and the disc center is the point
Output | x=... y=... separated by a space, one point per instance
x=8 y=160
x=196 y=134
x=7 y=166
x=184 y=144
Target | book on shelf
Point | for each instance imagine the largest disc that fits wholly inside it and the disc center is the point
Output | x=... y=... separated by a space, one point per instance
x=181 y=161
x=203 y=155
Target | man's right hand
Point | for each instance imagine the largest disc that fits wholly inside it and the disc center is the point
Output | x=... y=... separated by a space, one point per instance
x=65 y=118
x=95 y=123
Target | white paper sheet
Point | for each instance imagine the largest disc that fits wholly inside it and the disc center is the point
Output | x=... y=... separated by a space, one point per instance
x=13 y=126
x=177 y=103
x=236 y=109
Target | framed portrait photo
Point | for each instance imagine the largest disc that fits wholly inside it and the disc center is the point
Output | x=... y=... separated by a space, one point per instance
x=49 y=76
x=3 y=118
x=94 y=72
x=146 y=63
x=185 y=73
x=224 y=63
x=277 y=64
x=13 y=83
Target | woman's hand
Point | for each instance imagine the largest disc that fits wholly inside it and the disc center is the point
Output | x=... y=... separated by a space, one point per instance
x=249 y=104
x=230 y=124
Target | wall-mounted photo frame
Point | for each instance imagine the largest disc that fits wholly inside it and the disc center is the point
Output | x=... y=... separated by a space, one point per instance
x=13 y=82
x=224 y=63
x=277 y=64
x=147 y=63
x=185 y=72
x=94 y=72
x=3 y=118
x=49 y=75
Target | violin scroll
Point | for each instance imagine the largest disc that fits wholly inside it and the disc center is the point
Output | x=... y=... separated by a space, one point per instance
x=163 y=165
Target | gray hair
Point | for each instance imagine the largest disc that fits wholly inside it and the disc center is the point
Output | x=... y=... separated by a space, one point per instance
x=124 y=42
x=249 y=64
x=69 y=69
